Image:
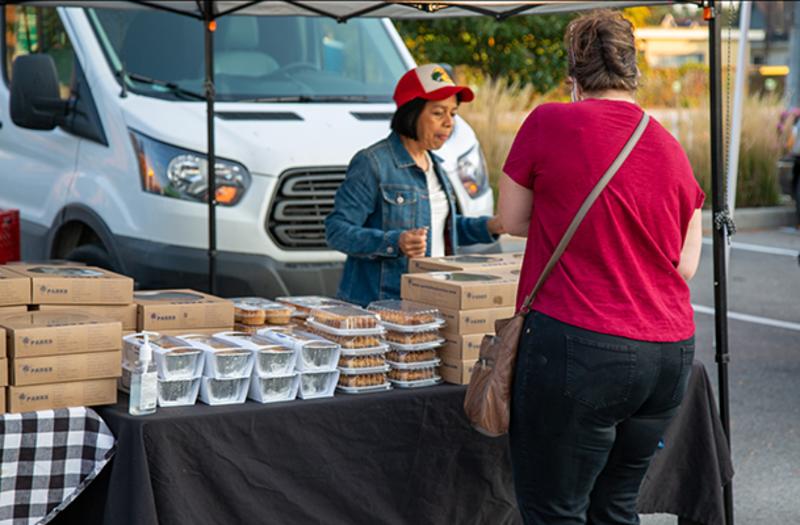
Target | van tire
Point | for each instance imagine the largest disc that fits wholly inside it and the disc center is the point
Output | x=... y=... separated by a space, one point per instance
x=93 y=255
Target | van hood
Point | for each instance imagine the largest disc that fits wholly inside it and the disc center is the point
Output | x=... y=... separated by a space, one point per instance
x=268 y=138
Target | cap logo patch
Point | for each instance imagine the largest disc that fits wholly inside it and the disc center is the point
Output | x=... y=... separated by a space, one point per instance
x=440 y=75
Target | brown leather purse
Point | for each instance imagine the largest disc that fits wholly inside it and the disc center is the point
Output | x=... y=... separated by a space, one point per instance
x=488 y=400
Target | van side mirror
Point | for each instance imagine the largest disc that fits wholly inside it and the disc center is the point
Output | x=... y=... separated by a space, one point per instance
x=35 y=101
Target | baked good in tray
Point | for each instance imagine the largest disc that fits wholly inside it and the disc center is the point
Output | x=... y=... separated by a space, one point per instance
x=303 y=304
x=361 y=361
x=256 y=311
x=407 y=313
x=420 y=356
x=413 y=338
x=362 y=380
x=412 y=375
x=353 y=342
x=345 y=318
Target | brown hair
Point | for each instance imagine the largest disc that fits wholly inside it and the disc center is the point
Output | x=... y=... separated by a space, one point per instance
x=602 y=51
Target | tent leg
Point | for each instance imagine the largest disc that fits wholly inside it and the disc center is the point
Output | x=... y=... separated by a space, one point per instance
x=720 y=232
x=208 y=30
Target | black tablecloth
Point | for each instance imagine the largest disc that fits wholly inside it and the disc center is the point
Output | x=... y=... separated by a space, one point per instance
x=400 y=457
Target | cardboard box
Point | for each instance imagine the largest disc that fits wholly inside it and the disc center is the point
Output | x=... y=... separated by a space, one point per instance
x=473 y=321
x=5 y=310
x=15 y=289
x=465 y=263
x=69 y=367
x=2 y=343
x=460 y=347
x=62 y=395
x=62 y=284
x=125 y=314
x=181 y=309
x=2 y=400
x=3 y=372
x=460 y=290
x=36 y=334
x=457 y=372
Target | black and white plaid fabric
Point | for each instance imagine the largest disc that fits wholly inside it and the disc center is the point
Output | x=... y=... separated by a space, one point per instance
x=48 y=458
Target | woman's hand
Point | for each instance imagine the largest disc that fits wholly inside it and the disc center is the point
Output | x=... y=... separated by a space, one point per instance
x=495 y=226
x=414 y=242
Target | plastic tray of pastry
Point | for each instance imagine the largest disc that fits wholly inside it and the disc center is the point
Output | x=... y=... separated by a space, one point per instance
x=380 y=349
x=274 y=389
x=223 y=391
x=303 y=304
x=224 y=359
x=271 y=359
x=175 y=358
x=259 y=311
x=406 y=316
x=357 y=384
x=364 y=364
x=414 y=356
x=349 y=342
x=414 y=365
x=414 y=341
x=345 y=320
x=317 y=384
x=414 y=378
x=314 y=352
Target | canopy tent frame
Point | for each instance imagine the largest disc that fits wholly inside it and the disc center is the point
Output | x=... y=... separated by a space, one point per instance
x=207 y=11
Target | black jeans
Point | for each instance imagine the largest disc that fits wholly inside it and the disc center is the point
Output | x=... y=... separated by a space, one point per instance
x=587 y=415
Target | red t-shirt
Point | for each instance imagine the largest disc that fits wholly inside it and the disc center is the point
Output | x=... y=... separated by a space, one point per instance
x=619 y=274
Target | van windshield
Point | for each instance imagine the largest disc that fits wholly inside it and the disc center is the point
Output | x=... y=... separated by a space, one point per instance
x=256 y=58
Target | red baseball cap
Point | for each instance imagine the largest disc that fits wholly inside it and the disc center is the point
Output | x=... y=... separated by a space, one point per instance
x=430 y=82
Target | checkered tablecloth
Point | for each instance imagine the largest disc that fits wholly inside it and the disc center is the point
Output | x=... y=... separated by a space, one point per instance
x=48 y=458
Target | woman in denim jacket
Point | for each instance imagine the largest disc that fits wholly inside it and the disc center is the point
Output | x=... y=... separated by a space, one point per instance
x=396 y=202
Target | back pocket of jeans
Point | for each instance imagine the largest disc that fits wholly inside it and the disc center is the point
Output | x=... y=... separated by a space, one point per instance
x=599 y=375
x=687 y=356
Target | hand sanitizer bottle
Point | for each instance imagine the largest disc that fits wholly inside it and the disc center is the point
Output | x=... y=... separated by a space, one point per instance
x=144 y=383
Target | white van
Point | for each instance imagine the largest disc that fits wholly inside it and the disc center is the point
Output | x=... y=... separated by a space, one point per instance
x=118 y=180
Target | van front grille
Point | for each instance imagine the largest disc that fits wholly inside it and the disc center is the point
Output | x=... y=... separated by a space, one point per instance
x=304 y=197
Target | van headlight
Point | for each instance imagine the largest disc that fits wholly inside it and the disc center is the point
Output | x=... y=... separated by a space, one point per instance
x=472 y=172
x=176 y=172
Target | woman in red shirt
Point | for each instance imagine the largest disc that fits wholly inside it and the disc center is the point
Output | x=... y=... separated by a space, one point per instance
x=606 y=351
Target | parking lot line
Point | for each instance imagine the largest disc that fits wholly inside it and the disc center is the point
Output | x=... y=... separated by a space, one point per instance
x=750 y=318
x=758 y=248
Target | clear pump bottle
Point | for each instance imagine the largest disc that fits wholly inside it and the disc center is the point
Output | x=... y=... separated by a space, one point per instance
x=144 y=383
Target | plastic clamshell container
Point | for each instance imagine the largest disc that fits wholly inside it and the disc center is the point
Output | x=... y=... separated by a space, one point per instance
x=416 y=348
x=415 y=356
x=258 y=311
x=224 y=359
x=223 y=391
x=380 y=349
x=410 y=365
x=346 y=318
x=406 y=316
x=303 y=304
x=416 y=384
x=353 y=342
x=344 y=332
x=274 y=389
x=413 y=338
x=313 y=352
x=353 y=371
x=318 y=384
x=174 y=357
x=412 y=374
x=271 y=359
x=363 y=389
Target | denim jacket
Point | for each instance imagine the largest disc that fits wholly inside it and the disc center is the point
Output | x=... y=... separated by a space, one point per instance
x=384 y=194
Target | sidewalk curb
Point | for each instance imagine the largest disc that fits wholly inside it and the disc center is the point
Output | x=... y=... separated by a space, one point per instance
x=757 y=218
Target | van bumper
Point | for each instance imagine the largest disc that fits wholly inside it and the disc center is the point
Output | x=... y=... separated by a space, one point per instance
x=155 y=265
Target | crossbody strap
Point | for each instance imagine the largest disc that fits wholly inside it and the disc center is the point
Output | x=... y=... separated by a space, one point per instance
x=584 y=209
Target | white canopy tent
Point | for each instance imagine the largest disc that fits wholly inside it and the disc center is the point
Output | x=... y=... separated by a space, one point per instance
x=208 y=11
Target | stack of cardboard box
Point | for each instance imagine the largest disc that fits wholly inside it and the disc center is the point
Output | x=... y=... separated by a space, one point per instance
x=471 y=293
x=179 y=312
x=65 y=351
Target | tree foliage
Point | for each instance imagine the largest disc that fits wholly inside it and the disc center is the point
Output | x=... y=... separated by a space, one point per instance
x=523 y=49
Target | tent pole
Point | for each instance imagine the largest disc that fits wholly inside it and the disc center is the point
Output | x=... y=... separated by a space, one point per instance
x=208 y=29
x=720 y=229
